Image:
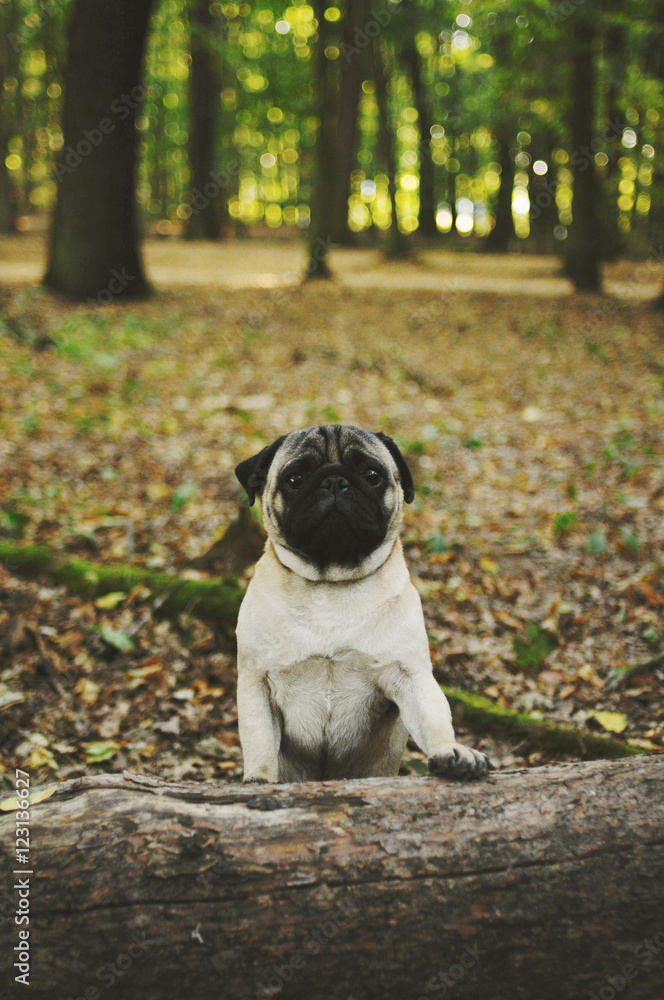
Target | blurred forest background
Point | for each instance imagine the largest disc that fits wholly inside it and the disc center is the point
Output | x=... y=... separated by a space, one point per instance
x=219 y=153
x=483 y=124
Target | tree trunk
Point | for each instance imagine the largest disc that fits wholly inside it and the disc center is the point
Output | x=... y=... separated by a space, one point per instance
x=94 y=243
x=396 y=244
x=9 y=45
x=320 y=229
x=413 y=63
x=543 y=208
x=583 y=263
x=615 y=44
x=352 y=70
x=654 y=64
x=547 y=883
x=500 y=236
x=208 y=197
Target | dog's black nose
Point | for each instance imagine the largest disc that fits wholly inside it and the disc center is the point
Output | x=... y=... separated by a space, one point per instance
x=335 y=484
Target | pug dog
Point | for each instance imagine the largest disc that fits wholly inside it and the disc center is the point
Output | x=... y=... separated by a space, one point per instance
x=334 y=669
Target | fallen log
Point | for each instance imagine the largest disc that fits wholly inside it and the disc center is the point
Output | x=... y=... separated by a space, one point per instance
x=544 y=883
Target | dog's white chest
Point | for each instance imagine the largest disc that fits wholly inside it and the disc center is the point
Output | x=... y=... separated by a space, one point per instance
x=325 y=701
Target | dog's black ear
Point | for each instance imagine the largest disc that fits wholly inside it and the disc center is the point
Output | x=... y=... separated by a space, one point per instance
x=252 y=473
x=405 y=475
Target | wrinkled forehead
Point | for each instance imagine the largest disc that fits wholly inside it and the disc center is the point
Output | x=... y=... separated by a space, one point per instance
x=332 y=443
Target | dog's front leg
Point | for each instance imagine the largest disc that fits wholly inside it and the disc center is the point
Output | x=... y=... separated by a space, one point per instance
x=260 y=734
x=425 y=712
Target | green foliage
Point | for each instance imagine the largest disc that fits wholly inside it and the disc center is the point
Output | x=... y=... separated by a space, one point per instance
x=630 y=540
x=437 y=544
x=13 y=521
x=564 y=522
x=183 y=493
x=116 y=638
x=531 y=650
x=487 y=72
x=597 y=543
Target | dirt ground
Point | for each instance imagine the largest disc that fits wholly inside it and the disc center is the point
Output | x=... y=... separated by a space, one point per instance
x=532 y=418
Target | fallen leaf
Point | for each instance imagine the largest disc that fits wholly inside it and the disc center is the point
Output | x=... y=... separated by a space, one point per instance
x=42 y=757
x=12 y=804
x=109 y=601
x=95 y=753
x=590 y=676
x=117 y=638
x=613 y=722
x=88 y=690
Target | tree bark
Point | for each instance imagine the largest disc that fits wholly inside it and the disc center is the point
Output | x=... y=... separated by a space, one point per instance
x=543 y=208
x=615 y=51
x=352 y=71
x=320 y=229
x=208 y=213
x=583 y=263
x=413 y=64
x=94 y=251
x=502 y=233
x=396 y=244
x=10 y=40
x=547 y=883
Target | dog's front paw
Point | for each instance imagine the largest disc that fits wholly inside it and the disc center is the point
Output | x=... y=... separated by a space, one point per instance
x=460 y=763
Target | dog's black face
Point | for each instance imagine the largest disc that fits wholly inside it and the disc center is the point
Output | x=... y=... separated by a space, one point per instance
x=334 y=512
x=332 y=495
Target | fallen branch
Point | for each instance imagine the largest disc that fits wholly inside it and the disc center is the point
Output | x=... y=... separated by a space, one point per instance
x=544 y=883
x=216 y=602
x=621 y=676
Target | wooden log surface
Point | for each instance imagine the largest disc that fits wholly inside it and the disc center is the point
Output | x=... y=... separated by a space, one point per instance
x=543 y=884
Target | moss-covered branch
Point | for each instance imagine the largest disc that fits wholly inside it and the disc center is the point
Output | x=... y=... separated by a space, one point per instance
x=216 y=602
x=483 y=715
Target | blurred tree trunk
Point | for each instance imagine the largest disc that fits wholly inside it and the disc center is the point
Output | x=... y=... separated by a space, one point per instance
x=499 y=238
x=322 y=204
x=208 y=196
x=654 y=64
x=352 y=68
x=9 y=23
x=413 y=63
x=616 y=61
x=94 y=251
x=543 y=208
x=7 y=194
x=583 y=264
x=396 y=244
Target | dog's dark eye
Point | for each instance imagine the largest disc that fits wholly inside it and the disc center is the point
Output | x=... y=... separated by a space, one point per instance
x=373 y=477
x=294 y=481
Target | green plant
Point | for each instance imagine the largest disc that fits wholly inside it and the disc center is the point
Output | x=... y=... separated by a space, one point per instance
x=437 y=544
x=533 y=648
x=564 y=522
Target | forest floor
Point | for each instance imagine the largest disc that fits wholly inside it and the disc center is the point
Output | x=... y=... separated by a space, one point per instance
x=533 y=420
